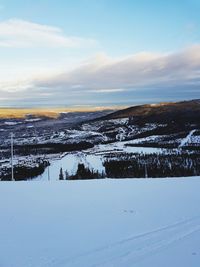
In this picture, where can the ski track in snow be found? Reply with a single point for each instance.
(187, 138)
(129, 251)
(121, 135)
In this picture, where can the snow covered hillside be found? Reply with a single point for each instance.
(120, 223)
(168, 134)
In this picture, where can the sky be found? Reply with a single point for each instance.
(98, 52)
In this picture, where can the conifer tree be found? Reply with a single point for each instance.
(61, 176)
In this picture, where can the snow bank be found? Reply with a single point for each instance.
(129, 222)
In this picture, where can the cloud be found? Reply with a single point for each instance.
(130, 73)
(21, 33)
(167, 76)
(113, 90)
(15, 86)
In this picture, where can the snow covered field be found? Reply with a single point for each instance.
(122, 223)
(92, 158)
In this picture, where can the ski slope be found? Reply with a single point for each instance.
(123, 222)
(187, 139)
(92, 158)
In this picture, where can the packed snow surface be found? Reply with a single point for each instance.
(122, 223)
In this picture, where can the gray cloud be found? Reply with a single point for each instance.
(131, 72)
(144, 75)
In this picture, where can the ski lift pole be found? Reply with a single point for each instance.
(146, 173)
(48, 173)
(12, 165)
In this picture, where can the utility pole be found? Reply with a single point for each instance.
(146, 173)
(12, 165)
(48, 173)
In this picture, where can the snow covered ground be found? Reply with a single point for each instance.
(122, 223)
(187, 139)
(92, 158)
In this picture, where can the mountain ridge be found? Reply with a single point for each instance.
(164, 112)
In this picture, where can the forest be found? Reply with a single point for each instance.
(142, 166)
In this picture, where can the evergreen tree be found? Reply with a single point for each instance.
(61, 176)
(66, 175)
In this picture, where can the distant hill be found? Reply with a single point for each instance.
(185, 111)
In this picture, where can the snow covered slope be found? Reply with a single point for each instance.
(122, 223)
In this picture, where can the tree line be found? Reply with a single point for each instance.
(24, 172)
(141, 166)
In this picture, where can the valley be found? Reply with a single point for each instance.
(135, 137)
